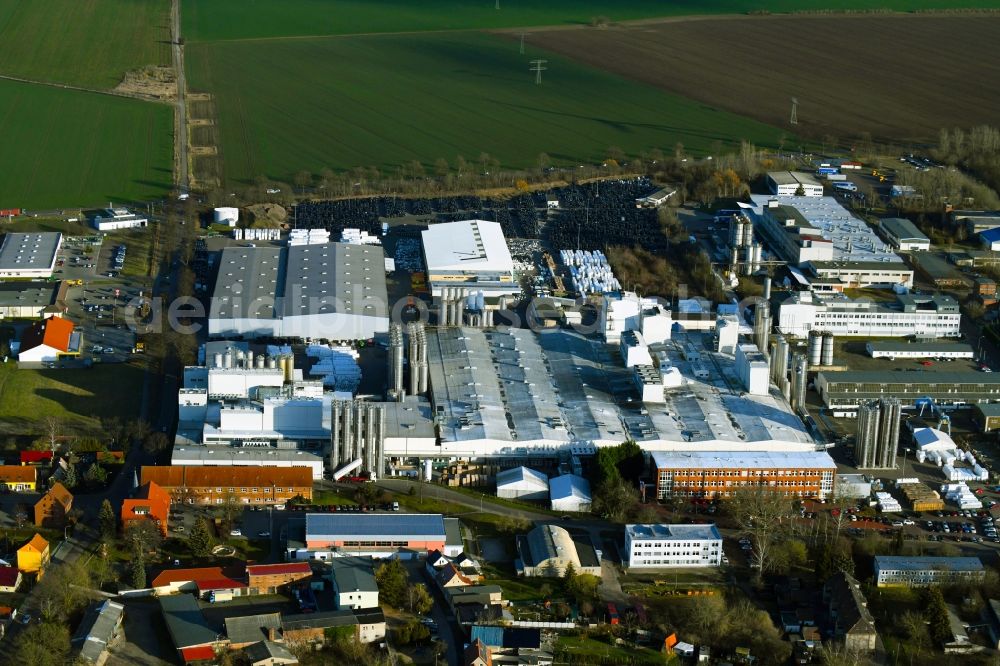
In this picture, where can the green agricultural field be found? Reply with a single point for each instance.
(67, 148)
(289, 105)
(79, 397)
(208, 20)
(88, 43)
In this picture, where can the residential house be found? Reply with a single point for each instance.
(193, 637)
(436, 560)
(148, 502)
(33, 556)
(367, 625)
(450, 576)
(272, 578)
(202, 580)
(10, 579)
(17, 478)
(510, 644)
(47, 340)
(54, 507)
(98, 631)
(477, 654)
(851, 623)
(249, 629)
(269, 653)
(354, 583)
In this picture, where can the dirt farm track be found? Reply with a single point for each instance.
(899, 77)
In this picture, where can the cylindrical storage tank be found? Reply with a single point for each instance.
(218, 360)
(261, 361)
(747, 232)
(767, 289)
(227, 360)
(815, 348)
(828, 348)
(272, 362)
(249, 359)
(428, 470)
(287, 367)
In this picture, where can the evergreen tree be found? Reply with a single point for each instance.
(109, 523)
(936, 614)
(200, 540)
(71, 478)
(137, 573)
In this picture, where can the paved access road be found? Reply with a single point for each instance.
(181, 134)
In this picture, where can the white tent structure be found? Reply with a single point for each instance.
(570, 492)
(522, 483)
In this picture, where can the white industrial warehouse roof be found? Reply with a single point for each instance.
(932, 439)
(268, 283)
(853, 239)
(569, 485)
(29, 251)
(522, 477)
(472, 245)
(742, 460)
(514, 389)
(665, 532)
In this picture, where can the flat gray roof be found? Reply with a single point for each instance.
(742, 460)
(353, 574)
(268, 282)
(410, 418)
(928, 562)
(28, 294)
(29, 251)
(185, 621)
(662, 531)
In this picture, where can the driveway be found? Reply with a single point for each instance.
(610, 588)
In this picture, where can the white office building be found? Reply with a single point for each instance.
(470, 255)
(935, 315)
(114, 219)
(652, 546)
(790, 183)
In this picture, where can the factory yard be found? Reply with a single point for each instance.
(875, 82)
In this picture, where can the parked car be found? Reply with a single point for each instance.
(235, 532)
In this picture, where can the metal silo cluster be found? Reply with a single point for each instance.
(877, 436)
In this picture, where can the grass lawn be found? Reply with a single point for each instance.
(80, 397)
(137, 258)
(390, 100)
(88, 43)
(27, 224)
(583, 646)
(236, 19)
(332, 498)
(69, 148)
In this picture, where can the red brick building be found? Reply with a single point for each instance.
(270, 578)
(149, 502)
(249, 485)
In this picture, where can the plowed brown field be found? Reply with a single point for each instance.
(898, 77)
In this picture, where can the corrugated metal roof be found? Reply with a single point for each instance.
(415, 526)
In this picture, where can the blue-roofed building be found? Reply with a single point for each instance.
(893, 571)
(506, 637)
(375, 534)
(661, 545)
(990, 239)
